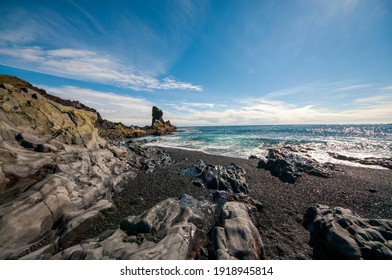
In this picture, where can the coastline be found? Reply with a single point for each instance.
(365, 191)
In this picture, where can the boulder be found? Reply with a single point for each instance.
(230, 178)
(288, 166)
(237, 237)
(342, 234)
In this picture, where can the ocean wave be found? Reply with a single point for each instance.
(315, 141)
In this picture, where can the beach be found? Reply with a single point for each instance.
(365, 191)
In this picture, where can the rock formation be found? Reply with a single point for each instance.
(288, 166)
(178, 229)
(56, 174)
(228, 178)
(157, 115)
(340, 233)
(384, 162)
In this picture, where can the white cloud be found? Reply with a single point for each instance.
(91, 66)
(264, 111)
(112, 106)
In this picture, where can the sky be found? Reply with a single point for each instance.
(205, 62)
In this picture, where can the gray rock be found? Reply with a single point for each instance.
(237, 237)
(178, 229)
(342, 234)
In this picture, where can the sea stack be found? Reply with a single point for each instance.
(158, 125)
(157, 114)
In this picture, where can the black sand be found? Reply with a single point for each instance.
(368, 192)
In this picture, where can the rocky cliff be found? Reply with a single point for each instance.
(105, 127)
(57, 174)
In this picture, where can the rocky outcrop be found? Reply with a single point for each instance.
(178, 229)
(342, 234)
(157, 115)
(230, 178)
(236, 237)
(159, 126)
(56, 174)
(384, 162)
(106, 128)
(289, 166)
(54, 124)
(118, 130)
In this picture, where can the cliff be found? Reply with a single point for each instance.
(105, 127)
(57, 175)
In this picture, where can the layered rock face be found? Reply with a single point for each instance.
(56, 173)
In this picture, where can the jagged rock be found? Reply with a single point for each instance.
(157, 115)
(342, 234)
(384, 162)
(55, 171)
(43, 117)
(177, 229)
(288, 166)
(172, 229)
(230, 178)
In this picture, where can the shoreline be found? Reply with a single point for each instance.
(365, 191)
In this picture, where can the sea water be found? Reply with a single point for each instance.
(317, 141)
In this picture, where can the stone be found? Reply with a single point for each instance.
(288, 166)
(177, 228)
(230, 178)
(342, 234)
(237, 237)
(384, 162)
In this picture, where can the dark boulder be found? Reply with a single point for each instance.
(288, 166)
(231, 178)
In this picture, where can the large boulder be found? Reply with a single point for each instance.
(342, 234)
(236, 237)
(289, 166)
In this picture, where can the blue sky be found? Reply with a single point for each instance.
(207, 62)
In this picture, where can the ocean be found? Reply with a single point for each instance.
(318, 141)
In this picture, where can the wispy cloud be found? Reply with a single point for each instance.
(91, 66)
(192, 106)
(112, 106)
(321, 88)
